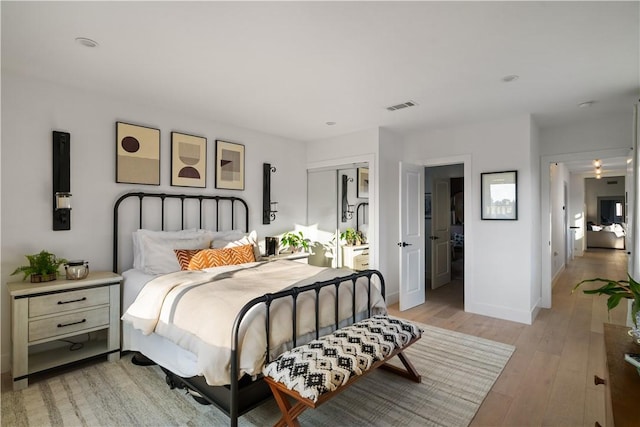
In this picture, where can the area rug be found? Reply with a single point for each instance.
(457, 371)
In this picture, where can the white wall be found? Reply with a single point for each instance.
(32, 109)
(593, 135)
(391, 147)
(536, 239)
(501, 268)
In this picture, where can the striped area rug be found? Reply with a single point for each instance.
(457, 371)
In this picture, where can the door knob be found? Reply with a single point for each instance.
(403, 244)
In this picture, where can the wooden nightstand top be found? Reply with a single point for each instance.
(23, 288)
(288, 255)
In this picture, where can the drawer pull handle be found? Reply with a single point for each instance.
(62, 325)
(597, 380)
(73, 300)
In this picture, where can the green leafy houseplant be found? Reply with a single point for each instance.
(294, 240)
(42, 267)
(617, 290)
(352, 237)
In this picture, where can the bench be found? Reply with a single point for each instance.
(315, 372)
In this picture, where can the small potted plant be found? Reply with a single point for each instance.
(294, 241)
(352, 237)
(43, 267)
(618, 290)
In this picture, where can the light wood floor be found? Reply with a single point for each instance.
(549, 379)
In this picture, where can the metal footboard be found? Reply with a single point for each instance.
(294, 293)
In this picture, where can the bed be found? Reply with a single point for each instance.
(212, 330)
(606, 236)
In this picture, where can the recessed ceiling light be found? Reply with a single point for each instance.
(586, 104)
(86, 42)
(330, 123)
(510, 78)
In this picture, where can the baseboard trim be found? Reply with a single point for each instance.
(557, 275)
(5, 363)
(393, 298)
(501, 312)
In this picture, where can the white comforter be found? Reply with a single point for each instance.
(196, 310)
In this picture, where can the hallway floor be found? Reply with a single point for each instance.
(549, 379)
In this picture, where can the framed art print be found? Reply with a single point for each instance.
(188, 160)
(229, 165)
(499, 195)
(427, 205)
(363, 183)
(137, 154)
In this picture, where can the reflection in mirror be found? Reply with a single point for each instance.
(611, 210)
(337, 200)
(322, 210)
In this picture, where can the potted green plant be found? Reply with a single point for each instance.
(352, 237)
(294, 241)
(618, 290)
(43, 267)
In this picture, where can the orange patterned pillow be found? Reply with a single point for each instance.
(184, 257)
(207, 258)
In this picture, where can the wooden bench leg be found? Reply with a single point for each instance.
(409, 372)
(289, 413)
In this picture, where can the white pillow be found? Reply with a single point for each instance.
(238, 240)
(137, 235)
(158, 256)
(223, 237)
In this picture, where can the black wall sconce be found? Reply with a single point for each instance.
(61, 181)
(347, 209)
(269, 208)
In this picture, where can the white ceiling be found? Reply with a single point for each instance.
(287, 68)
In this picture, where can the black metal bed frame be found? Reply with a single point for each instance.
(182, 197)
(244, 394)
(362, 205)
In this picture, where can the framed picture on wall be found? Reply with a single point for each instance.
(229, 165)
(499, 195)
(137, 154)
(188, 160)
(362, 189)
(427, 205)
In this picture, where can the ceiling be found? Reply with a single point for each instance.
(288, 68)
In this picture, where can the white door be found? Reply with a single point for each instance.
(411, 244)
(440, 234)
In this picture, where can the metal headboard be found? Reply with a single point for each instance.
(164, 197)
(362, 205)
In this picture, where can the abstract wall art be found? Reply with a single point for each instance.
(188, 160)
(137, 154)
(229, 165)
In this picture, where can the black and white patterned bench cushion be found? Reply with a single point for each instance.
(327, 363)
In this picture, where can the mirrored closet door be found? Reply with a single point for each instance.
(338, 207)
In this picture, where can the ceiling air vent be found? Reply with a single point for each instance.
(401, 106)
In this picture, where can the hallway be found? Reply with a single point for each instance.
(549, 379)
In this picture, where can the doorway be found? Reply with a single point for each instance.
(445, 233)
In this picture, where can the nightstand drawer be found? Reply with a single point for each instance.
(73, 322)
(65, 301)
(361, 262)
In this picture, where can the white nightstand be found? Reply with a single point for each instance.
(355, 257)
(48, 318)
(302, 257)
